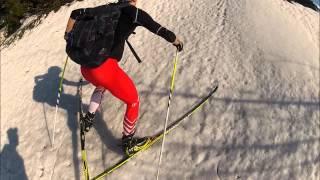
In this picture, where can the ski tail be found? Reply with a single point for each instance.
(82, 134)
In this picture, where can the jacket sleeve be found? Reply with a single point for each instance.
(144, 19)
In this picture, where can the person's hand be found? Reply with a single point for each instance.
(178, 44)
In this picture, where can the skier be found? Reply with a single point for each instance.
(109, 76)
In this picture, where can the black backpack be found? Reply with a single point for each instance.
(90, 41)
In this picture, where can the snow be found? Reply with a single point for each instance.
(263, 122)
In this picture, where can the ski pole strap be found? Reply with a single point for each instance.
(134, 52)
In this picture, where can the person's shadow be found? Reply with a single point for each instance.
(12, 165)
(45, 92)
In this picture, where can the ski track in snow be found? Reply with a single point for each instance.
(263, 122)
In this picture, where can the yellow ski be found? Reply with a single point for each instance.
(158, 136)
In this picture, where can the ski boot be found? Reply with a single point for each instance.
(87, 121)
(132, 145)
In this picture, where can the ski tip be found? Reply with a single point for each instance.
(215, 86)
(215, 83)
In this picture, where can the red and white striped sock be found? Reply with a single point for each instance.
(129, 127)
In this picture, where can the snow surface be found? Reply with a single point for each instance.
(263, 123)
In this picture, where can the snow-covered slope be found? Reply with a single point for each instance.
(263, 123)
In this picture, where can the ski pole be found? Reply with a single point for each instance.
(58, 100)
(168, 110)
(82, 134)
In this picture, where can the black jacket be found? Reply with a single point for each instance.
(130, 18)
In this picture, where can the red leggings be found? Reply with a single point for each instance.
(111, 77)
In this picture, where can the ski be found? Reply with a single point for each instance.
(159, 135)
(82, 134)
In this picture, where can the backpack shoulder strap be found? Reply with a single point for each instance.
(133, 52)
